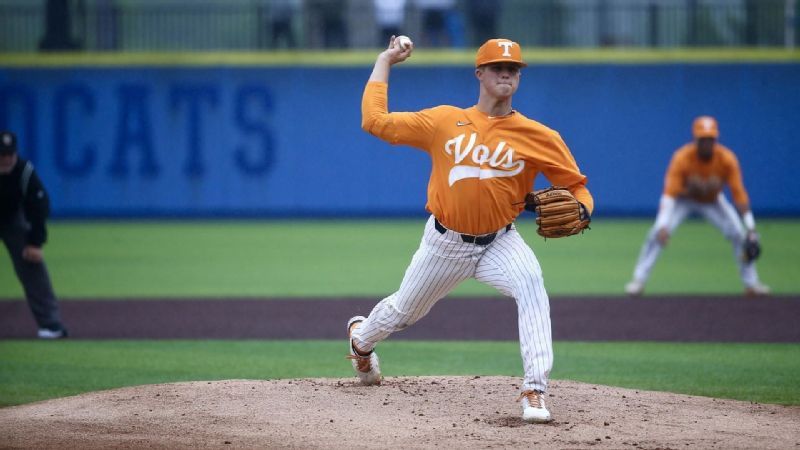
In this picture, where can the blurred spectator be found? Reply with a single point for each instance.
(281, 15)
(58, 27)
(436, 21)
(328, 16)
(390, 16)
(483, 16)
(24, 207)
(107, 24)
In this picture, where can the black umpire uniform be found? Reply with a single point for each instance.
(24, 207)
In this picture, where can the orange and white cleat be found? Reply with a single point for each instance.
(757, 290)
(533, 407)
(634, 288)
(367, 367)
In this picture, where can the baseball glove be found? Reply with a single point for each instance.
(752, 247)
(559, 214)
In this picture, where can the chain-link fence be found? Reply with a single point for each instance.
(247, 25)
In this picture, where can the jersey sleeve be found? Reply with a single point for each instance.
(407, 128)
(583, 195)
(36, 205)
(734, 180)
(673, 180)
(562, 170)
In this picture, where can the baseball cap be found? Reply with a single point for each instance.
(705, 126)
(497, 51)
(8, 143)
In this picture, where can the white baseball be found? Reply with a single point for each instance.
(403, 42)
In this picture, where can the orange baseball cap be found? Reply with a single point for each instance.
(705, 126)
(499, 50)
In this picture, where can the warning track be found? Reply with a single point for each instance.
(651, 318)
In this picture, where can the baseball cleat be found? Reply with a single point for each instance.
(634, 288)
(757, 290)
(46, 333)
(367, 367)
(533, 408)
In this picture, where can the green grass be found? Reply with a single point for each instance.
(34, 370)
(368, 258)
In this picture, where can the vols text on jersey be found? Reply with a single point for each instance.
(500, 160)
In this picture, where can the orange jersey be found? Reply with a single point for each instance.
(687, 168)
(482, 166)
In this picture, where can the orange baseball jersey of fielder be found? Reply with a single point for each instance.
(482, 166)
(723, 167)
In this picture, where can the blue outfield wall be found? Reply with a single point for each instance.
(282, 141)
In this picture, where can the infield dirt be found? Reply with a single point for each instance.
(404, 412)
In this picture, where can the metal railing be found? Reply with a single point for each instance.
(246, 25)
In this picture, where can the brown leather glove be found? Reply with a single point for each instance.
(559, 213)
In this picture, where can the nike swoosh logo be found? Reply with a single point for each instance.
(461, 124)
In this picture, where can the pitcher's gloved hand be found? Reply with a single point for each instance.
(559, 213)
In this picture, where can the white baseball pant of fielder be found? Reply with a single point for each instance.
(442, 261)
(720, 213)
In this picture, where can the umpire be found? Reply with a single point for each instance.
(24, 207)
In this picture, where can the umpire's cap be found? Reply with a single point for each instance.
(705, 127)
(498, 51)
(8, 143)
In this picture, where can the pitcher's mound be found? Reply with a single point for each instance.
(405, 412)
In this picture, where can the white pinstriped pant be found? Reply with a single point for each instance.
(720, 213)
(442, 262)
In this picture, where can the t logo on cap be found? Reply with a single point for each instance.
(499, 51)
(506, 45)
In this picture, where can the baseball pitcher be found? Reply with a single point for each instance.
(484, 162)
(693, 184)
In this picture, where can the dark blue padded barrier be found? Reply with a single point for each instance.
(278, 141)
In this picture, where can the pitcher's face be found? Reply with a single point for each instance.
(500, 80)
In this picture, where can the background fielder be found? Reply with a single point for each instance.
(693, 184)
(484, 162)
